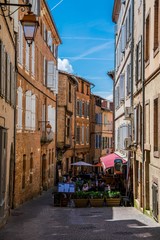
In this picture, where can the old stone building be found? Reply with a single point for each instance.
(8, 32)
(82, 123)
(143, 112)
(73, 141)
(66, 110)
(123, 83)
(37, 86)
(101, 125)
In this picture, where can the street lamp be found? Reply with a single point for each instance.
(29, 21)
(48, 128)
(30, 25)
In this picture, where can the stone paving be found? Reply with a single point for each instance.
(40, 220)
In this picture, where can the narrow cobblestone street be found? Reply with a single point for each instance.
(38, 219)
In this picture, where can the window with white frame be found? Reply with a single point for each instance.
(27, 57)
(33, 59)
(52, 76)
(52, 117)
(19, 107)
(30, 111)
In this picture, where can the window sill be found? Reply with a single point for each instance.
(156, 154)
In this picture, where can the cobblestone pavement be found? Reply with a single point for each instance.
(40, 220)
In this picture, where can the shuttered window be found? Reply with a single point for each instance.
(87, 134)
(33, 113)
(123, 38)
(78, 135)
(19, 107)
(20, 45)
(78, 108)
(27, 57)
(156, 24)
(52, 117)
(121, 87)
(28, 113)
(8, 79)
(82, 134)
(128, 80)
(33, 59)
(155, 132)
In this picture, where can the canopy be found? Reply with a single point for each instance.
(108, 161)
(81, 163)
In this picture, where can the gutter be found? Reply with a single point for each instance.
(143, 102)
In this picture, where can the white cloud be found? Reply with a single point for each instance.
(92, 50)
(64, 65)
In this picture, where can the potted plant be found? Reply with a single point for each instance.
(80, 199)
(96, 199)
(113, 198)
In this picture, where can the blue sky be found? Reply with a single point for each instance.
(87, 34)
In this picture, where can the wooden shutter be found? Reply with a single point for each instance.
(51, 75)
(27, 57)
(28, 110)
(33, 59)
(8, 79)
(33, 113)
(20, 44)
(19, 108)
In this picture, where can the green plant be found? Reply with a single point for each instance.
(96, 195)
(113, 194)
(81, 195)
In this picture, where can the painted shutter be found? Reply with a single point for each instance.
(28, 110)
(13, 86)
(135, 125)
(33, 113)
(8, 82)
(43, 116)
(2, 72)
(121, 86)
(35, 6)
(27, 57)
(33, 59)
(50, 75)
(123, 42)
(19, 108)
(20, 44)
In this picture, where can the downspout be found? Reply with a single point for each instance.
(143, 102)
(132, 53)
(15, 117)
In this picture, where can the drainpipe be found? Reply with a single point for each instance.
(132, 53)
(143, 103)
(14, 143)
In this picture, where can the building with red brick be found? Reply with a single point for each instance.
(101, 128)
(7, 108)
(73, 141)
(37, 87)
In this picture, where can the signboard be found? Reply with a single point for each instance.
(118, 166)
(66, 187)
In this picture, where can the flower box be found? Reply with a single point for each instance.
(96, 202)
(81, 202)
(113, 202)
